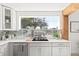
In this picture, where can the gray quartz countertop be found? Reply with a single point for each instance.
(30, 40)
(3, 42)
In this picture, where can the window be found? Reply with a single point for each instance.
(42, 21)
(50, 24)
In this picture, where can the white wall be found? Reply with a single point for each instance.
(35, 13)
(37, 6)
(74, 37)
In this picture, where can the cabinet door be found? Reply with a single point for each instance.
(2, 50)
(20, 50)
(65, 51)
(24, 50)
(6, 53)
(35, 51)
(10, 46)
(0, 17)
(17, 50)
(6, 18)
(45, 51)
(40, 51)
(60, 51)
(13, 17)
(56, 51)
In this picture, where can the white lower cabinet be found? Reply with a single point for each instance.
(4, 50)
(49, 49)
(45, 51)
(40, 51)
(10, 44)
(55, 51)
(18, 49)
(34, 51)
(1, 50)
(60, 51)
(65, 51)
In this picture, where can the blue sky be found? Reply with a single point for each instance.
(52, 21)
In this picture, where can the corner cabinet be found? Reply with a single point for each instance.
(7, 18)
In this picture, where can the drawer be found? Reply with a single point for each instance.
(39, 44)
(60, 44)
(19, 43)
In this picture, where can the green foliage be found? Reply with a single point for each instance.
(56, 34)
(32, 22)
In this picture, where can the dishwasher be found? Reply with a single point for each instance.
(20, 49)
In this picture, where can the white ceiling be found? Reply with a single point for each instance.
(37, 6)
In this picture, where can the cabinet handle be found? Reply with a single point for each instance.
(22, 48)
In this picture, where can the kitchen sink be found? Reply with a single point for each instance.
(40, 39)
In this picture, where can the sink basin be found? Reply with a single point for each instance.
(39, 40)
(34, 39)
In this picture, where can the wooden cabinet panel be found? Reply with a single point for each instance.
(65, 27)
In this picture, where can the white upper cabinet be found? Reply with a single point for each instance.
(0, 17)
(7, 18)
(13, 23)
(6, 15)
